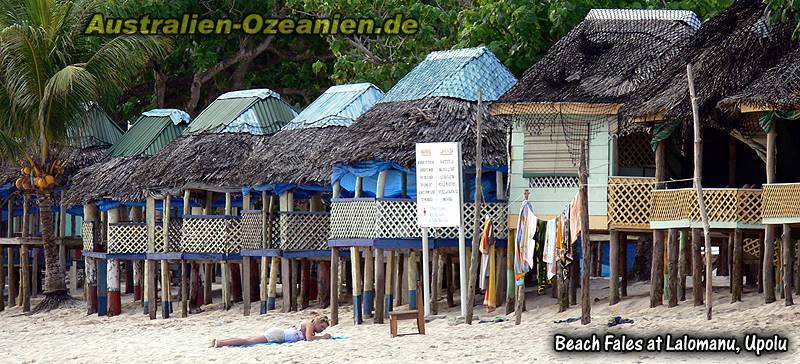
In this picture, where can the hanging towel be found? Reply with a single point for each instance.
(490, 299)
(549, 254)
(530, 239)
(575, 218)
(486, 241)
(521, 240)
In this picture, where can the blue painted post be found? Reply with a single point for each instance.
(355, 259)
(412, 280)
(102, 287)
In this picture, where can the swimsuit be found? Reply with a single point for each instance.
(290, 335)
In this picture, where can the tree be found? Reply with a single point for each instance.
(49, 72)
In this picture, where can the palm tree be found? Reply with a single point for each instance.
(49, 71)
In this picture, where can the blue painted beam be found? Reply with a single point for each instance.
(260, 253)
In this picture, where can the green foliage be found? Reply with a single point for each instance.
(784, 10)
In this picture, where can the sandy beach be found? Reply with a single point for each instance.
(68, 335)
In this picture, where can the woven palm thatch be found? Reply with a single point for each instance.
(112, 178)
(776, 89)
(299, 156)
(727, 53)
(204, 161)
(606, 57)
(389, 131)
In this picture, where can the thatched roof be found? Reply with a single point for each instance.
(113, 178)
(205, 161)
(727, 53)
(776, 89)
(390, 130)
(609, 55)
(298, 156)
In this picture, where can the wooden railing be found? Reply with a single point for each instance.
(726, 207)
(211, 234)
(253, 234)
(781, 203)
(629, 201)
(304, 230)
(127, 237)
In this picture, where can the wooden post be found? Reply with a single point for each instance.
(413, 276)
(166, 300)
(12, 273)
(112, 276)
(368, 294)
(398, 284)
(355, 258)
(89, 215)
(434, 298)
(673, 266)
(477, 221)
(246, 261)
(787, 250)
(657, 263)
(697, 268)
(334, 296)
(683, 264)
(501, 276)
(451, 280)
(614, 266)
(24, 268)
(768, 270)
(389, 284)
(586, 305)
(150, 303)
(272, 293)
(305, 282)
(623, 264)
(295, 272)
(698, 173)
(510, 285)
(737, 266)
(380, 288)
(286, 284)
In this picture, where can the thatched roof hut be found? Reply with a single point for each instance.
(113, 178)
(776, 89)
(216, 142)
(435, 102)
(609, 55)
(301, 153)
(727, 53)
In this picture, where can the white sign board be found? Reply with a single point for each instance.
(439, 184)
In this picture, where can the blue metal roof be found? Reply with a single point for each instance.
(337, 106)
(457, 73)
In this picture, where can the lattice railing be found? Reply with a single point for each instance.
(89, 235)
(353, 218)
(629, 200)
(253, 230)
(127, 237)
(782, 201)
(397, 219)
(304, 230)
(723, 205)
(175, 233)
(211, 234)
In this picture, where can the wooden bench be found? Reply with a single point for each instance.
(418, 314)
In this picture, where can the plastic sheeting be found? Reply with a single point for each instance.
(346, 175)
(662, 131)
(767, 119)
(177, 116)
(261, 93)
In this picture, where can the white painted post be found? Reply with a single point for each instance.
(426, 278)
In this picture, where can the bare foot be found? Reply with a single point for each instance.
(213, 343)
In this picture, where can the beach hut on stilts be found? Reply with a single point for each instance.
(576, 162)
(373, 210)
(773, 99)
(112, 205)
(726, 54)
(290, 172)
(20, 247)
(197, 167)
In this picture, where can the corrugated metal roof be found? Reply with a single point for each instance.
(457, 73)
(147, 136)
(252, 114)
(95, 130)
(337, 106)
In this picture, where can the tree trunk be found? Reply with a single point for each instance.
(55, 289)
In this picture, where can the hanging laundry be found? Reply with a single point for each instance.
(576, 216)
(490, 299)
(526, 227)
(549, 253)
(486, 240)
(541, 268)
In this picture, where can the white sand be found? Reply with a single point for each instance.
(68, 335)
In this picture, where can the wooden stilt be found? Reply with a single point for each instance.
(334, 296)
(184, 290)
(323, 284)
(264, 285)
(165, 287)
(583, 190)
(673, 266)
(246, 261)
(697, 267)
(295, 287)
(286, 284)
(511, 291)
(501, 276)
(614, 266)
(226, 285)
(25, 291)
(413, 276)
(768, 273)
(435, 280)
(368, 295)
(208, 276)
(398, 284)
(273, 284)
(657, 263)
(683, 264)
(737, 266)
(787, 251)
(391, 271)
(34, 271)
(355, 258)
(451, 280)
(305, 286)
(380, 286)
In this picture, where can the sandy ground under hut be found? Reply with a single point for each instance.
(68, 335)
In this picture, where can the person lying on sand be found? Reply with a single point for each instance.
(307, 330)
